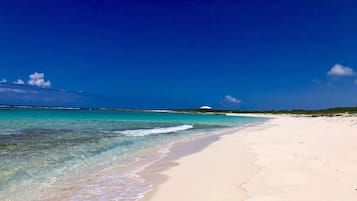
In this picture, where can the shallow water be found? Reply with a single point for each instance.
(48, 154)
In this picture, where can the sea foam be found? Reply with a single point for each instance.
(154, 131)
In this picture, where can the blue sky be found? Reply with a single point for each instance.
(180, 54)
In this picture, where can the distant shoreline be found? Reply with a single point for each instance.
(337, 111)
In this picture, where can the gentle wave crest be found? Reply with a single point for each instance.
(153, 131)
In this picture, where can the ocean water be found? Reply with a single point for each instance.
(61, 154)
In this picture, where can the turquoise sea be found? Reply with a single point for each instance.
(70, 154)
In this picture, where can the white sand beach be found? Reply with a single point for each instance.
(284, 159)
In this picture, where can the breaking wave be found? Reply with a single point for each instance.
(154, 131)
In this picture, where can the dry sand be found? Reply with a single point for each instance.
(284, 159)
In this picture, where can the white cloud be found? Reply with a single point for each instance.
(340, 70)
(19, 81)
(38, 79)
(355, 81)
(3, 80)
(231, 99)
(12, 90)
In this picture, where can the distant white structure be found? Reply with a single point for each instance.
(205, 107)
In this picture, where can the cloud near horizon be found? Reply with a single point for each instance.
(230, 99)
(35, 79)
(19, 81)
(340, 70)
(38, 91)
(23, 94)
(6, 89)
(38, 79)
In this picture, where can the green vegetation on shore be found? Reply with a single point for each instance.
(329, 111)
(325, 112)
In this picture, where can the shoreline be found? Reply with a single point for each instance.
(184, 148)
(177, 151)
(262, 162)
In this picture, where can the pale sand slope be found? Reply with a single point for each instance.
(285, 159)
